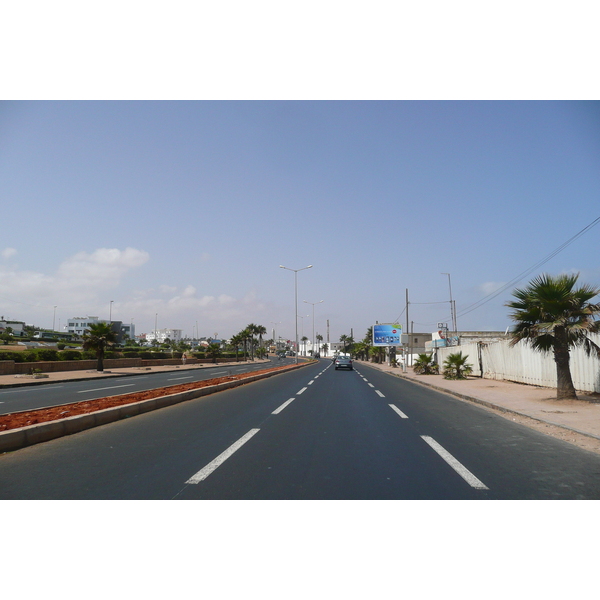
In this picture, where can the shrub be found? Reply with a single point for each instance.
(425, 365)
(71, 355)
(43, 355)
(456, 367)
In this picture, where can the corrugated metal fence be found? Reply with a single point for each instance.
(498, 360)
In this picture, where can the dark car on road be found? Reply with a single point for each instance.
(343, 362)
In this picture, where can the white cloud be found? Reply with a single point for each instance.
(105, 266)
(85, 283)
(78, 282)
(8, 252)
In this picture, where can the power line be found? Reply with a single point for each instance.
(518, 278)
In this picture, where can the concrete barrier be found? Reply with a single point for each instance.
(14, 439)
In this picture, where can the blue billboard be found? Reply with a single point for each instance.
(387, 334)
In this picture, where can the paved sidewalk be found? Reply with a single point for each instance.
(581, 416)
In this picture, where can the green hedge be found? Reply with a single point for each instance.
(71, 355)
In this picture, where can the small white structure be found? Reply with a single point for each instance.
(161, 335)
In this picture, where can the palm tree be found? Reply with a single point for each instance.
(304, 339)
(98, 338)
(368, 342)
(235, 341)
(325, 349)
(244, 337)
(425, 365)
(344, 339)
(553, 316)
(319, 340)
(260, 330)
(378, 353)
(252, 331)
(214, 351)
(456, 367)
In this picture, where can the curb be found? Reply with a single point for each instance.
(490, 404)
(15, 439)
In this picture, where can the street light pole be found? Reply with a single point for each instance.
(313, 335)
(296, 299)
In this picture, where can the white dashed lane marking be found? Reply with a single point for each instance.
(217, 462)
(457, 466)
(395, 408)
(278, 410)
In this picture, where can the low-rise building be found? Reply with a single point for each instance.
(80, 325)
(161, 335)
(17, 328)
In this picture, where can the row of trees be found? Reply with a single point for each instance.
(100, 337)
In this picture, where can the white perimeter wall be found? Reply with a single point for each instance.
(522, 364)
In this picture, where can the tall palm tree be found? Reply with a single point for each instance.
(304, 339)
(344, 339)
(235, 341)
(245, 336)
(552, 315)
(260, 330)
(252, 330)
(319, 340)
(99, 337)
(368, 341)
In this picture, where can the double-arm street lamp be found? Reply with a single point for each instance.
(313, 336)
(296, 300)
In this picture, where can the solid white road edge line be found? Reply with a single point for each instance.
(278, 410)
(217, 462)
(178, 378)
(458, 467)
(398, 411)
(378, 392)
(301, 391)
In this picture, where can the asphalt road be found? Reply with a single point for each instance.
(55, 394)
(313, 433)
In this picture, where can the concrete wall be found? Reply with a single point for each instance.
(10, 367)
(520, 363)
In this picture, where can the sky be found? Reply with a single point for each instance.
(180, 213)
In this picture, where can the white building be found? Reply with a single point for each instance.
(79, 325)
(161, 335)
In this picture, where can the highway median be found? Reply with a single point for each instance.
(26, 428)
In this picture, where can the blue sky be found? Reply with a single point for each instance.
(186, 209)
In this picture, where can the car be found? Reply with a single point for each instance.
(343, 362)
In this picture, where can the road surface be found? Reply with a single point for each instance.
(313, 433)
